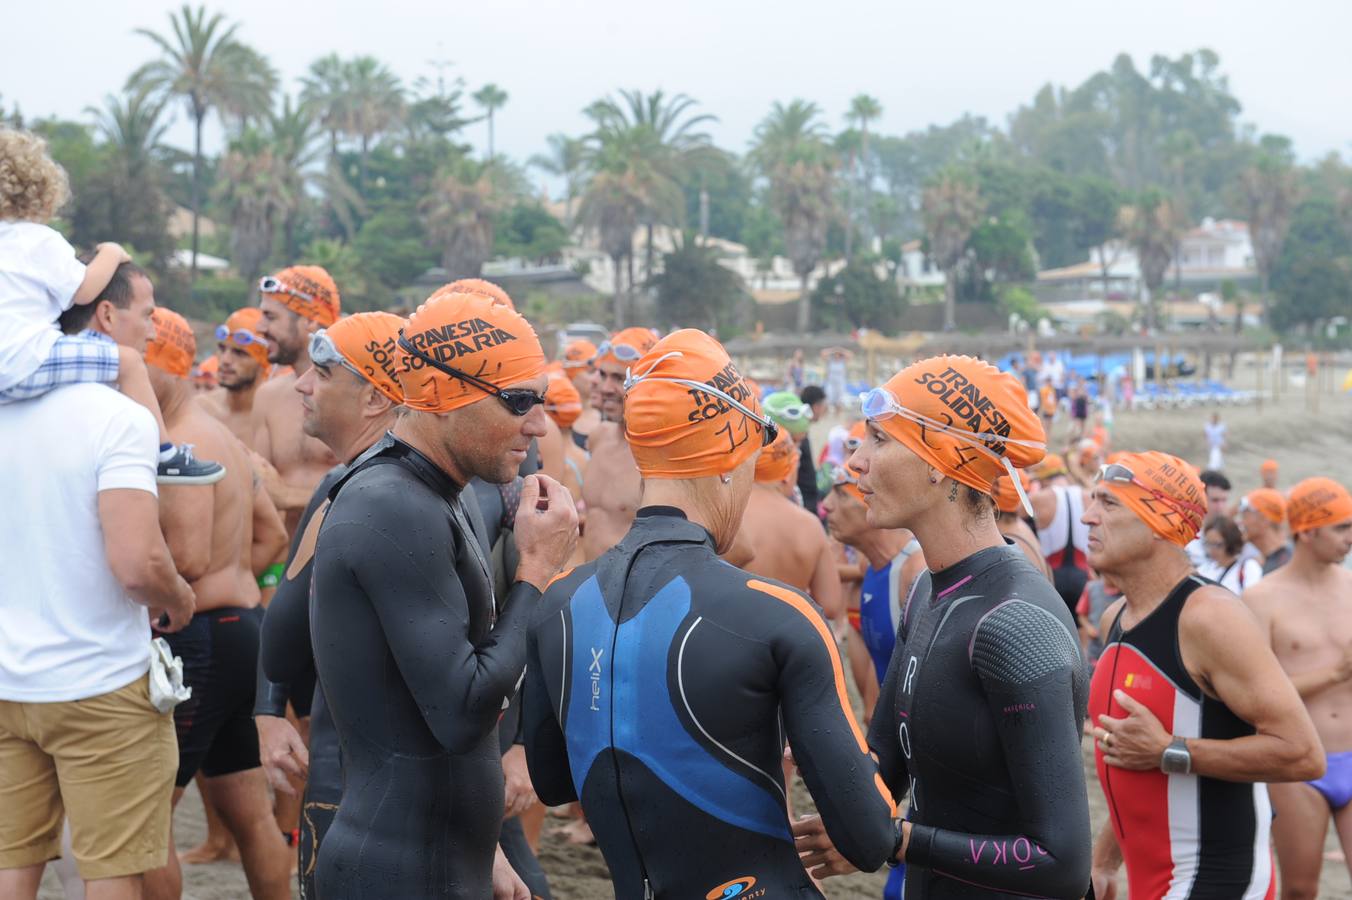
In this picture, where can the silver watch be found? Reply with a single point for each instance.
(1176, 760)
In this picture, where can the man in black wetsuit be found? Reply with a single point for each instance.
(979, 718)
(415, 663)
(662, 681)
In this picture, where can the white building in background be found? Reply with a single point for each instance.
(917, 269)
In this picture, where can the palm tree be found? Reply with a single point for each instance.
(1270, 189)
(611, 206)
(491, 98)
(205, 65)
(291, 134)
(374, 103)
(952, 208)
(790, 150)
(567, 160)
(460, 213)
(1150, 227)
(255, 189)
(324, 93)
(131, 125)
(863, 110)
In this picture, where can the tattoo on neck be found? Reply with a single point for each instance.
(953, 492)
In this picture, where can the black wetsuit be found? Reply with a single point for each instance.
(416, 669)
(660, 686)
(979, 719)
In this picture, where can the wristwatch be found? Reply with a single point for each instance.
(1176, 760)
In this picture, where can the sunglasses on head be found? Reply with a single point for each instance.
(1116, 473)
(241, 337)
(519, 401)
(270, 285)
(325, 354)
(622, 352)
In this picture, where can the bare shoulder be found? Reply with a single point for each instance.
(1213, 615)
(603, 435)
(271, 392)
(1269, 590)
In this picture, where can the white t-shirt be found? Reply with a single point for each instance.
(39, 276)
(1215, 435)
(1240, 574)
(68, 630)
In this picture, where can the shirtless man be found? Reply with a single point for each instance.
(242, 370)
(611, 486)
(295, 303)
(1306, 609)
(212, 537)
(563, 404)
(788, 541)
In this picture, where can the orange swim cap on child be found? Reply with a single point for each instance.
(678, 417)
(1163, 490)
(779, 461)
(369, 341)
(625, 347)
(246, 320)
(578, 354)
(1006, 497)
(1316, 502)
(174, 346)
(478, 286)
(562, 401)
(469, 333)
(307, 291)
(1268, 503)
(961, 415)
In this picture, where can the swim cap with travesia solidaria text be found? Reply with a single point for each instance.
(1316, 502)
(369, 341)
(308, 291)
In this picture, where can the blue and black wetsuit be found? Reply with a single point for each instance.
(980, 719)
(880, 603)
(416, 667)
(661, 685)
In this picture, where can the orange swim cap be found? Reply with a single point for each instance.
(246, 321)
(1316, 502)
(686, 409)
(307, 291)
(961, 415)
(578, 354)
(625, 347)
(473, 335)
(478, 286)
(844, 478)
(369, 341)
(1269, 467)
(1006, 498)
(1163, 490)
(858, 431)
(174, 346)
(562, 401)
(1052, 464)
(1268, 503)
(779, 461)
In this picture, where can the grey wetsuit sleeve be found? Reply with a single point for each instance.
(401, 565)
(1030, 670)
(546, 748)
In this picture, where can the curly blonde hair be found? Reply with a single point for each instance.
(32, 186)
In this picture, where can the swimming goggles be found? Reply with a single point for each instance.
(519, 401)
(241, 337)
(880, 403)
(622, 352)
(271, 285)
(325, 354)
(794, 413)
(1116, 473)
(769, 430)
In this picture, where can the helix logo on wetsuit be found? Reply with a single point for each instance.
(968, 405)
(595, 671)
(447, 342)
(738, 887)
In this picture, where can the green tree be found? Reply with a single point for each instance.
(291, 136)
(460, 214)
(1150, 227)
(791, 151)
(695, 290)
(205, 64)
(491, 98)
(1096, 205)
(324, 94)
(952, 208)
(857, 297)
(1312, 278)
(374, 103)
(527, 231)
(1270, 190)
(566, 159)
(254, 190)
(863, 111)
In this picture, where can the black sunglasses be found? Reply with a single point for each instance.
(518, 401)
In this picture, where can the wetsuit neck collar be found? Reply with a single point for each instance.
(393, 449)
(665, 523)
(972, 566)
(674, 511)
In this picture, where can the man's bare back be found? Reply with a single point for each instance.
(791, 546)
(1310, 627)
(239, 421)
(611, 489)
(300, 460)
(210, 529)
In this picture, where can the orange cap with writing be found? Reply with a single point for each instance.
(307, 291)
(174, 346)
(1268, 503)
(370, 341)
(675, 426)
(1164, 491)
(470, 333)
(562, 401)
(478, 286)
(1316, 502)
(779, 461)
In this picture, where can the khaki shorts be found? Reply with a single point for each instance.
(106, 762)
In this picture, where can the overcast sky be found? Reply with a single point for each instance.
(927, 62)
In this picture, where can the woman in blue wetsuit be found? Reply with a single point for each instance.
(662, 682)
(979, 718)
